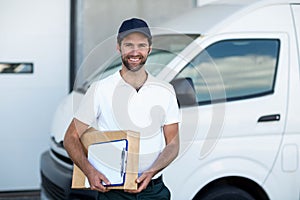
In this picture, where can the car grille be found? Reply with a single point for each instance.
(56, 192)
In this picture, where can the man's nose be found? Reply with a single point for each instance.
(134, 50)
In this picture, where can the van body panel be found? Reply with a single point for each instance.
(236, 128)
(216, 165)
(293, 121)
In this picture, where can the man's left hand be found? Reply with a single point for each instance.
(142, 181)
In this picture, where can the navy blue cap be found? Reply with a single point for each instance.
(133, 25)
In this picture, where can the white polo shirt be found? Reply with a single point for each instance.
(112, 104)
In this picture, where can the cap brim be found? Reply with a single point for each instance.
(138, 30)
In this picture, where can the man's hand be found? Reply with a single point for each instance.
(142, 181)
(95, 179)
(168, 154)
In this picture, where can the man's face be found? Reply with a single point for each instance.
(134, 49)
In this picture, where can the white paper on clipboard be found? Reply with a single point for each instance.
(109, 158)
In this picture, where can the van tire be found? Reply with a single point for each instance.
(225, 192)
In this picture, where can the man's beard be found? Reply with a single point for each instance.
(133, 68)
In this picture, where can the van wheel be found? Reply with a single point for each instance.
(225, 192)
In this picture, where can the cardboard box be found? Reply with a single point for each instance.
(92, 136)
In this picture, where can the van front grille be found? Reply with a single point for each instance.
(53, 190)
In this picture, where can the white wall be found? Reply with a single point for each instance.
(34, 31)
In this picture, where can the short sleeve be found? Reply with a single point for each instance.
(172, 113)
(86, 111)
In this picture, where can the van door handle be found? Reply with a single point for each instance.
(269, 118)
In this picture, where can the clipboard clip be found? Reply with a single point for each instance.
(123, 162)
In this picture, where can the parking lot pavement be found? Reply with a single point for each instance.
(20, 195)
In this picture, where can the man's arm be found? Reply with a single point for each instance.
(168, 154)
(75, 150)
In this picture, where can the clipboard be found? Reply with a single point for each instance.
(92, 136)
(112, 164)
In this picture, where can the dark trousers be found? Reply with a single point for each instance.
(155, 190)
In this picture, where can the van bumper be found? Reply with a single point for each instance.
(57, 179)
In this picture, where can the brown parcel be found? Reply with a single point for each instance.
(93, 136)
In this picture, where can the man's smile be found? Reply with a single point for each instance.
(134, 58)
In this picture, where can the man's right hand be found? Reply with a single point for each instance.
(95, 179)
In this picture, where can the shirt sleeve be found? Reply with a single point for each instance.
(86, 111)
(173, 114)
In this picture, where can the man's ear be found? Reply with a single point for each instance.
(150, 50)
(118, 48)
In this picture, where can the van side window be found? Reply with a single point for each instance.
(234, 69)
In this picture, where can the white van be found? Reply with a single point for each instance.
(235, 69)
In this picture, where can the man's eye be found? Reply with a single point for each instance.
(131, 46)
(143, 46)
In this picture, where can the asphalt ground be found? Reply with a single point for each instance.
(20, 195)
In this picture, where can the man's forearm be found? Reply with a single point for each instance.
(74, 147)
(169, 153)
(76, 152)
(171, 149)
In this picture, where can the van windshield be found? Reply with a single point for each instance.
(164, 49)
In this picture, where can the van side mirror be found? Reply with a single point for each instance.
(185, 91)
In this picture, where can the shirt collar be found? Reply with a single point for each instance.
(121, 81)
